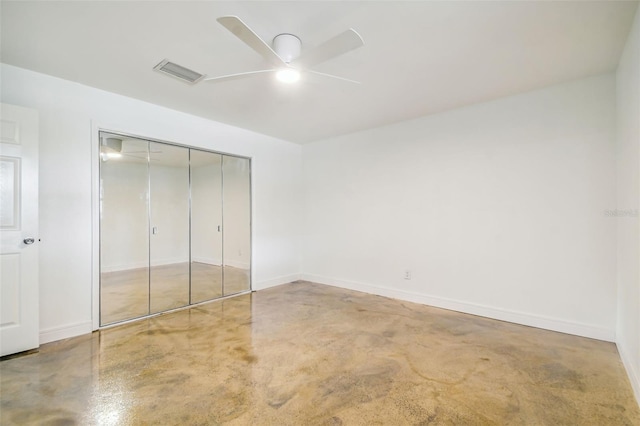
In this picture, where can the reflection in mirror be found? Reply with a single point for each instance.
(206, 222)
(175, 227)
(124, 239)
(169, 227)
(237, 224)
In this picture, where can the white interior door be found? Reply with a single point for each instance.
(19, 323)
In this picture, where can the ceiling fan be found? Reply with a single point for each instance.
(285, 56)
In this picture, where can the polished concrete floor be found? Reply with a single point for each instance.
(134, 293)
(308, 354)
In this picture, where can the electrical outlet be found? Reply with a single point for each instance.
(407, 274)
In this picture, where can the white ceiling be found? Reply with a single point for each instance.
(419, 57)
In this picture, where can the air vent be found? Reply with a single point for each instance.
(178, 71)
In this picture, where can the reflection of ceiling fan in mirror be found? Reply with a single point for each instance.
(112, 148)
(288, 61)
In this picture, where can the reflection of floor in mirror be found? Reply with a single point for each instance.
(125, 294)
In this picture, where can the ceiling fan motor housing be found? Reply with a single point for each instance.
(287, 46)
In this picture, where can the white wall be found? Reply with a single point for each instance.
(69, 116)
(125, 215)
(124, 241)
(169, 213)
(206, 212)
(236, 205)
(628, 169)
(497, 209)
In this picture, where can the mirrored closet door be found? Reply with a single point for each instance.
(169, 223)
(236, 202)
(124, 237)
(175, 227)
(206, 226)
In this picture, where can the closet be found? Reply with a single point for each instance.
(175, 227)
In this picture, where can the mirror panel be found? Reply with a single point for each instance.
(206, 223)
(124, 239)
(168, 227)
(175, 227)
(236, 202)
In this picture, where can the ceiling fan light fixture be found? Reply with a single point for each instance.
(287, 47)
(288, 75)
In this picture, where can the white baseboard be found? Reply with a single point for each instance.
(547, 323)
(632, 372)
(65, 332)
(240, 264)
(285, 279)
(207, 260)
(124, 267)
(138, 265)
(162, 262)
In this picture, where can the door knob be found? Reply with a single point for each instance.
(28, 241)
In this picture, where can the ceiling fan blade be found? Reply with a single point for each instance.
(333, 76)
(251, 39)
(338, 45)
(137, 156)
(236, 76)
